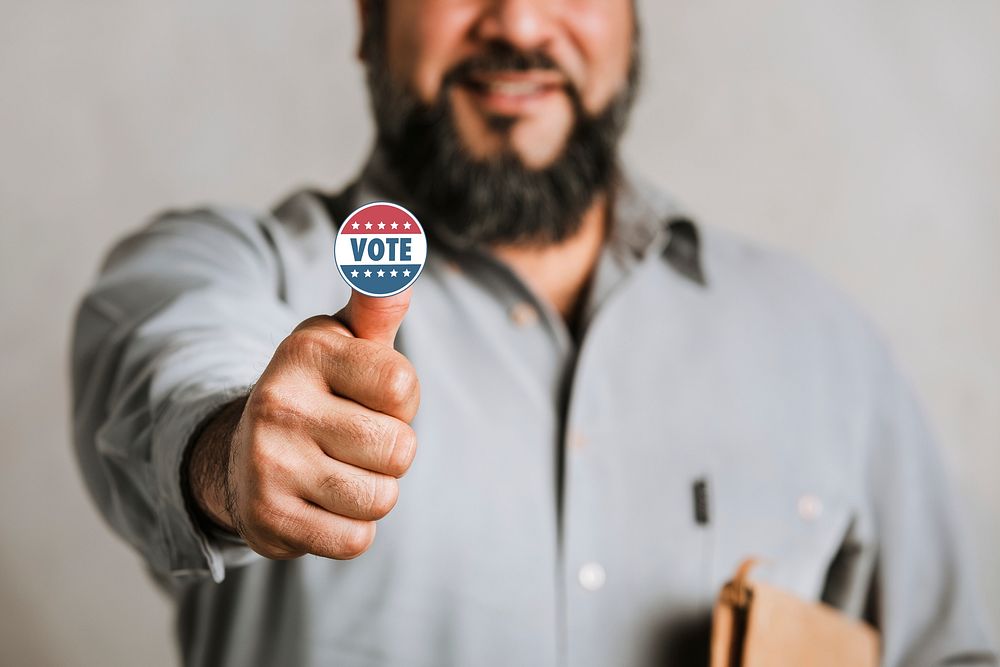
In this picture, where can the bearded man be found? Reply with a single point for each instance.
(616, 404)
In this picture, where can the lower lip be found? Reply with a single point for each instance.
(508, 104)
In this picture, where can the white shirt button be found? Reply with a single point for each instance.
(592, 576)
(810, 507)
(523, 314)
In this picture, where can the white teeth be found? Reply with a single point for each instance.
(513, 87)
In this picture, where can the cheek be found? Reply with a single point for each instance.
(603, 34)
(425, 39)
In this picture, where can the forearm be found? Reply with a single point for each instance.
(207, 467)
(180, 323)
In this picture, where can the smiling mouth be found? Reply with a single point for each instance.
(512, 92)
(511, 88)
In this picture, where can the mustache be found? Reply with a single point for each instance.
(502, 57)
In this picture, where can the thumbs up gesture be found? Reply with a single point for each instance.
(311, 460)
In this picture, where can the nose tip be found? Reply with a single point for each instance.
(524, 24)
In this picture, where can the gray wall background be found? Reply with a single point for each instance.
(862, 136)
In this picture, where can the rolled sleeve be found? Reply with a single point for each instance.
(191, 548)
(182, 320)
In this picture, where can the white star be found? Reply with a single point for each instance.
(368, 225)
(354, 274)
(395, 225)
(381, 225)
(368, 274)
(406, 273)
(406, 225)
(393, 273)
(354, 226)
(381, 273)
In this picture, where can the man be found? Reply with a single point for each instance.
(616, 405)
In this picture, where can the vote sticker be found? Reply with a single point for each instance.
(380, 249)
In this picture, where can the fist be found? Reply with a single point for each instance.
(315, 457)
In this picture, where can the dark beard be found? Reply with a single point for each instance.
(498, 200)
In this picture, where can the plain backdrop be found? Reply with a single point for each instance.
(862, 136)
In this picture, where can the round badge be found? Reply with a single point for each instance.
(380, 249)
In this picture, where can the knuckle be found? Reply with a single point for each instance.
(270, 520)
(398, 382)
(271, 403)
(311, 343)
(274, 529)
(361, 427)
(333, 484)
(400, 454)
(269, 461)
(365, 493)
(355, 539)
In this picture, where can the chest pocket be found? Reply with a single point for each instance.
(796, 534)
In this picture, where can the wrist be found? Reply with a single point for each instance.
(206, 468)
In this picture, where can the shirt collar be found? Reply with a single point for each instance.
(648, 221)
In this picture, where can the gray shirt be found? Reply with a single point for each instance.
(577, 497)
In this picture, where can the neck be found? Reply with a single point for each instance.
(559, 273)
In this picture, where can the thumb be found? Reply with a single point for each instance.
(375, 318)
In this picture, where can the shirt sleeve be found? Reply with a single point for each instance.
(183, 318)
(924, 597)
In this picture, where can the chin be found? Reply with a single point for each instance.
(538, 157)
(533, 150)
